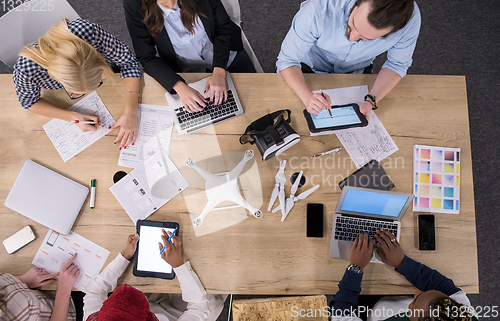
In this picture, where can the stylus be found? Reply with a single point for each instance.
(169, 239)
(329, 112)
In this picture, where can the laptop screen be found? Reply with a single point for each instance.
(369, 202)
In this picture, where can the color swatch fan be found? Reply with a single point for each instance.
(436, 179)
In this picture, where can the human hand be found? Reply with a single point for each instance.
(217, 86)
(366, 108)
(131, 246)
(128, 129)
(36, 277)
(83, 117)
(362, 250)
(67, 275)
(173, 250)
(389, 249)
(318, 103)
(191, 99)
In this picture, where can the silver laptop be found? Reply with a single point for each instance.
(46, 197)
(189, 122)
(364, 210)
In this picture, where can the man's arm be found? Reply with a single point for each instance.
(425, 278)
(306, 29)
(346, 299)
(386, 80)
(421, 276)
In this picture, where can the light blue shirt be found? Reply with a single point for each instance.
(317, 38)
(195, 51)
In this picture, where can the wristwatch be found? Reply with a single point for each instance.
(371, 100)
(354, 268)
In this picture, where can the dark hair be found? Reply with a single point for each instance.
(153, 16)
(389, 13)
(446, 309)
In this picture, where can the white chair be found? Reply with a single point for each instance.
(28, 22)
(233, 10)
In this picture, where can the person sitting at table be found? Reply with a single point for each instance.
(345, 36)
(76, 56)
(128, 303)
(189, 36)
(437, 297)
(20, 301)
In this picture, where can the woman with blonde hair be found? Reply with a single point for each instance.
(78, 56)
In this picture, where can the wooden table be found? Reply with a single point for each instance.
(260, 256)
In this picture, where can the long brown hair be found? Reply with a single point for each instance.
(153, 16)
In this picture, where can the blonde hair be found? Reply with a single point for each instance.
(69, 60)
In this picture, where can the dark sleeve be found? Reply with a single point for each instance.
(425, 278)
(348, 293)
(222, 34)
(145, 47)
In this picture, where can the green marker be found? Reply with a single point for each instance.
(92, 193)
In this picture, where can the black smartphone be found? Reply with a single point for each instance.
(426, 232)
(314, 220)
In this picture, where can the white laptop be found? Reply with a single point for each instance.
(46, 197)
(364, 210)
(189, 122)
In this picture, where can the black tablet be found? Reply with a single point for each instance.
(339, 117)
(147, 259)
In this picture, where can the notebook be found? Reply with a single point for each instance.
(362, 210)
(46, 197)
(189, 122)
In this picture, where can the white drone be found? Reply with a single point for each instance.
(223, 187)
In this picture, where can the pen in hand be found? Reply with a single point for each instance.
(91, 122)
(169, 239)
(329, 112)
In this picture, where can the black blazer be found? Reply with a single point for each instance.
(224, 34)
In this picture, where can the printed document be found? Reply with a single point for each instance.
(57, 249)
(68, 139)
(149, 186)
(155, 131)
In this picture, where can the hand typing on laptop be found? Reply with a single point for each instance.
(389, 250)
(191, 99)
(362, 251)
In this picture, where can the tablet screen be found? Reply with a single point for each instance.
(341, 116)
(149, 259)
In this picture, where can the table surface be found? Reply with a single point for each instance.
(257, 256)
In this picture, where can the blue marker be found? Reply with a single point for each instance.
(169, 239)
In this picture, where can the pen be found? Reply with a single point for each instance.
(329, 112)
(327, 152)
(92, 193)
(169, 239)
(76, 121)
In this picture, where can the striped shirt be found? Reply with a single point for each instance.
(19, 303)
(30, 77)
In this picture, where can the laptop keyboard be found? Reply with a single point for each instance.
(348, 228)
(209, 115)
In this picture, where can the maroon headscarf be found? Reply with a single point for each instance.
(126, 303)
